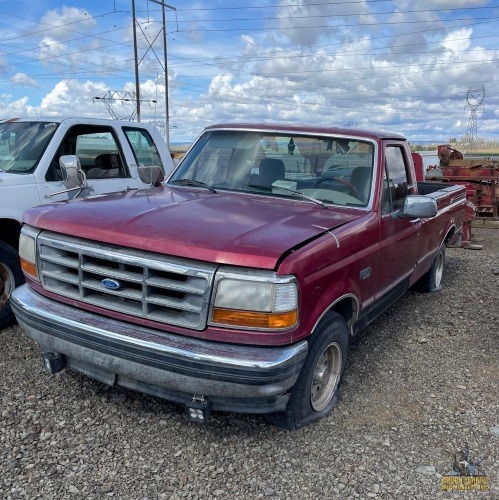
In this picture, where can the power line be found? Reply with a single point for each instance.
(280, 28)
(339, 15)
(320, 4)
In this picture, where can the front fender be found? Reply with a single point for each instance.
(343, 266)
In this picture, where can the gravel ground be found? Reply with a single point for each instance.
(421, 384)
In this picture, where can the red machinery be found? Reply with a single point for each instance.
(480, 175)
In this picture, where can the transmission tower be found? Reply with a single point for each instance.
(474, 102)
(128, 102)
(352, 124)
(161, 126)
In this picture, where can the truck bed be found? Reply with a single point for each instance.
(431, 187)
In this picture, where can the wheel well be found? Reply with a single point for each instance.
(347, 307)
(9, 231)
(450, 234)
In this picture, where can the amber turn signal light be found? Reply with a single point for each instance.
(255, 319)
(29, 268)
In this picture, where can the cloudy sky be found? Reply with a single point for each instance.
(413, 67)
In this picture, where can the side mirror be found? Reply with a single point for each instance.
(419, 207)
(72, 174)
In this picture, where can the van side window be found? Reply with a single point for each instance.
(396, 182)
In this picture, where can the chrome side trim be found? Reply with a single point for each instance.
(393, 284)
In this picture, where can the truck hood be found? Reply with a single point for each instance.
(225, 228)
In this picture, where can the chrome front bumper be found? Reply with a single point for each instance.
(232, 377)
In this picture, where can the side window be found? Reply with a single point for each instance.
(143, 147)
(395, 183)
(97, 150)
(99, 155)
(149, 165)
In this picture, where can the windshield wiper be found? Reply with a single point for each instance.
(193, 182)
(292, 191)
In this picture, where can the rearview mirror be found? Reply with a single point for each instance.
(419, 207)
(72, 174)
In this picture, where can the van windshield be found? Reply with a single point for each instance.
(332, 170)
(22, 144)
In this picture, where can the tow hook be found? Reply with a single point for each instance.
(198, 410)
(53, 362)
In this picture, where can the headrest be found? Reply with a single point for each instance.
(272, 169)
(107, 161)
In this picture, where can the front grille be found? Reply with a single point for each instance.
(148, 285)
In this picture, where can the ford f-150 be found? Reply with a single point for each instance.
(237, 283)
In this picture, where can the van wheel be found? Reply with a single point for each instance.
(431, 281)
(317, 389)
(11, 276)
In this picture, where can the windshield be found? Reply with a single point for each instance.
(22, 144)
(331, 170)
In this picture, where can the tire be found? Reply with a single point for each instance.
(431, 281)
(317, 389)
(11, 276)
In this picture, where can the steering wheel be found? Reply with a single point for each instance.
(349, 185)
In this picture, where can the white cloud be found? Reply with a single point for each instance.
(52, 54)
(10, 108)
(64, 22)
(24, 80)
(72, 97)
(308, 21)
(459, 40)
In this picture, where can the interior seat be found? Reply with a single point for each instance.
(361, 179)
(106, 165)
(271, 170)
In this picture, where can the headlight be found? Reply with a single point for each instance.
(257, 300)
(27, 250)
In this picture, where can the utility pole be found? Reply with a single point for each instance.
(167, 111)
(137, 82)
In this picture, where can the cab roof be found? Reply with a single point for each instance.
(308, 129)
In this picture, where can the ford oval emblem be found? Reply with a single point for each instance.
(111, 284)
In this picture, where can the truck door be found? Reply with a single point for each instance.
(150, 162)
(101, 157)
(399, 237)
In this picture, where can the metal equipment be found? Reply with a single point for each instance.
(480, 175)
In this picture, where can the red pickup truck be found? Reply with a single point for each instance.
(237, 283)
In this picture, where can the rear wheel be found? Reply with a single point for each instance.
(11, 276)
(317, 389)
(431, 281)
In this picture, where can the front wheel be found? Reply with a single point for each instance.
(317, 389)
(11, 276)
